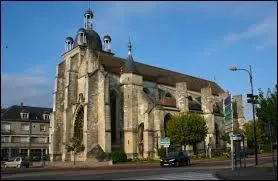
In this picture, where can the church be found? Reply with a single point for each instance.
(114, 103)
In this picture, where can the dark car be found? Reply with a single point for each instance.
(175, 159)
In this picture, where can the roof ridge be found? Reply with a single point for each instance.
(30, 107)
(159, 75)
(138, 62)
(172, 71)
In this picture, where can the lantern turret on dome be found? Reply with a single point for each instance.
(107, 43)
(88, 19)
(68, 43)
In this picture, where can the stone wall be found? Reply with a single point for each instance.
(181, 96)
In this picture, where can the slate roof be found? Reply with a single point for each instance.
(35, 113)
(129, 65)
(93, 39)
(162, 76)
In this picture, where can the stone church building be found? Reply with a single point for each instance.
(115, 103)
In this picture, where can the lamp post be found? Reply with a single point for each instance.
(253, 106)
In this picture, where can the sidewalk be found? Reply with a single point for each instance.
(260, 172)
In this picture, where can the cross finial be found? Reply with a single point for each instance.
(129, 45)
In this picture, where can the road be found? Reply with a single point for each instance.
(198, 170)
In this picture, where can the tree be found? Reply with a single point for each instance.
(187, 129)
(267, 108)
(75, 147)
(225, 137)
(249, 132)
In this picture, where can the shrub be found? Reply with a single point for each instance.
(161, 152)
(266, 148)
(119, 156)
(216, 153)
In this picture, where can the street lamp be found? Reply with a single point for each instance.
(253, 106)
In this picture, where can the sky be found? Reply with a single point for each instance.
(201, 39)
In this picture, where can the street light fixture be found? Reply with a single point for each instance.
(252, 96)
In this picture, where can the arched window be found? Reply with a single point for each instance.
(216, 133)
(113, 96)
(78, 124)
(141, 139)
(166, 121)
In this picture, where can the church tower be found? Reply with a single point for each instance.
(80, 99)
(131, 83)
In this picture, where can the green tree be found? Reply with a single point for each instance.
(267, 108)
(249, 132)
(187, 129)
(225, 137)
(75, 147)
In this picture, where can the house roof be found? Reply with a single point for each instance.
(162, 76)
(35, 113)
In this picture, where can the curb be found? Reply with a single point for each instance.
(219, 176)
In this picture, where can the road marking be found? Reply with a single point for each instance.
(176, 176)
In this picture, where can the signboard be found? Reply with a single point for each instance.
(165, 141)
(236, 137)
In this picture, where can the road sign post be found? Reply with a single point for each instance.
(165, 142)
(228, 118)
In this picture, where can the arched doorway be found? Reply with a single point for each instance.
(141, 139)
(78, 124)
(166, 120)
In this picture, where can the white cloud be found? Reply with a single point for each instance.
(37, 69)
(263, 33)
(265, 30)
(33, 90)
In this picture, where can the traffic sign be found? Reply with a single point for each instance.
(165, 141)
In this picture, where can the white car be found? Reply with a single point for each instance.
(17, 162)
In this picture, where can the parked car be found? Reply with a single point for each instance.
(17, 162)
(175, 159)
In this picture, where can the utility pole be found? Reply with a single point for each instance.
(252, 101)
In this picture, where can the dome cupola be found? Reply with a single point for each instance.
(107, 43)
(87, 36)
(69, 43)
(88, 19)
(81, 36)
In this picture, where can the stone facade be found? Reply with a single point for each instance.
(122, 110)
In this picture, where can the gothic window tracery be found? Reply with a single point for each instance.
(78, 124)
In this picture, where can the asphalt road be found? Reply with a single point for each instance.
(198, 169)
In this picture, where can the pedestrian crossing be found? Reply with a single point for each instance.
(176, 176)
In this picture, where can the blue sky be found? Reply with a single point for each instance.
(201, 39)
